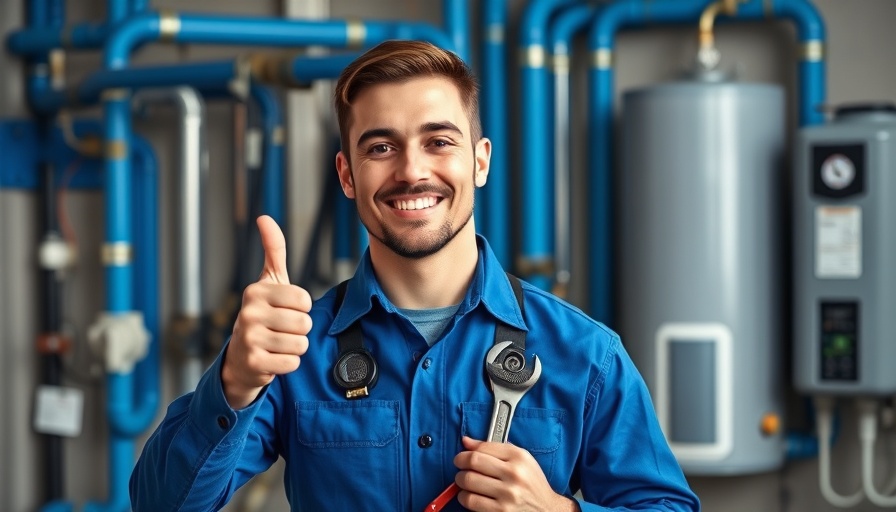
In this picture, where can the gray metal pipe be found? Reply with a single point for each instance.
(192, 180)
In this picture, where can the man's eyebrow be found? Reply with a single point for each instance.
(388, 133)
(440, 126)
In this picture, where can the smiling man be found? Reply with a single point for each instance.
(390, 404)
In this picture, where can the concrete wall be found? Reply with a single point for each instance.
(859, 68)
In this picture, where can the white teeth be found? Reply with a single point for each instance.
(416, 204)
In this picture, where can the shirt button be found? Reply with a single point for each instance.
(426, 363)
(223, 422)
(425, 441)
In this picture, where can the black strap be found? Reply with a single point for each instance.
(351, 338)
(504, 332)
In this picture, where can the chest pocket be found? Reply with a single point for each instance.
(539, 431)
(351, 445)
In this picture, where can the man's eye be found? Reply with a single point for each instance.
(439, 143)
(379, 148)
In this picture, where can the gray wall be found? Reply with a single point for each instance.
(860, 38)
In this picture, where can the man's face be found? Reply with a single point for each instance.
(413, 166)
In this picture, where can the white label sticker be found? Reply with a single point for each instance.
(838, 242)
(58, 411)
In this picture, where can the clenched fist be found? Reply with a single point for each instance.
(271, 331)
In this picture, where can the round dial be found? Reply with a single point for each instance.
(838, 172)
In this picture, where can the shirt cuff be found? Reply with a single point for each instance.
(211, 413)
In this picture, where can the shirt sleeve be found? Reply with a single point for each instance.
(626, 462)
(201, 452)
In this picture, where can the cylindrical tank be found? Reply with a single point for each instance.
(701, 266)
(844, 242)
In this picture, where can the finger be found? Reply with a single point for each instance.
(274, 245)
(278, 296)
(501, 451)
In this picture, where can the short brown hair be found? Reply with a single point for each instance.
(399, 61)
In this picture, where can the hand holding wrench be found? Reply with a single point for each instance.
(510, 379)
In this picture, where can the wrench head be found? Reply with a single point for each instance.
(506, 366)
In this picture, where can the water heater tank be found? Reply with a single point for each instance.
(845, 242)
(701, 266)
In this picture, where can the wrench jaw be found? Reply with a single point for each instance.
(506, 364)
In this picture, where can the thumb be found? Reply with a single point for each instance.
(274, 244)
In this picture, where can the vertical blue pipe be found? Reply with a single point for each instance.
(119, 285)
(457, 26)
(116, 11)
(272, 174)
(812, 68)
(135, 412)
(493, 215)
(537, 186)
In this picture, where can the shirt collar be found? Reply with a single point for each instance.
(490, 287)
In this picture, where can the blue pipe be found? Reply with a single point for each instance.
(144, 26)
(308, 68)
(635, 12)
(457, 26)
(272, 174)
(138, 6)
(258, 31)
(537, 186)
(116, 11)
(493, 215)
(203, 75)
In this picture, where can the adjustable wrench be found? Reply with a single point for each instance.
(510, 378)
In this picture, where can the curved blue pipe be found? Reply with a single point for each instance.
(537, 185)
(272, 119)
(493, 214)
(627, 13)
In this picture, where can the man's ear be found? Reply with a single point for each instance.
(344, 169)
(483, 150)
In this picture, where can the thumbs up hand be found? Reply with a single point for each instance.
(271, 331)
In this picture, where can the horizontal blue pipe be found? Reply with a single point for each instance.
(210, 29)
(308, 68)
(537, 185)
(34, 42)
(493, 214)
(203, 75)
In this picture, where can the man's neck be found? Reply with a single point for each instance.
(438, 280)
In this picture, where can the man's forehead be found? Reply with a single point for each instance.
(413, 107)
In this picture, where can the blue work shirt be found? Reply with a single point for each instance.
(588, 421)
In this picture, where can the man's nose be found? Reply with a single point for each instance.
(413, 167)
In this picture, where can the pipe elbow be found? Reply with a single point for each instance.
(808, 21)
(128, 35)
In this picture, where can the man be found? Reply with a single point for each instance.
(428, 297)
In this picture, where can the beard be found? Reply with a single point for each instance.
(419, 246)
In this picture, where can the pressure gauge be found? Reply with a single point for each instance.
(838, 171)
